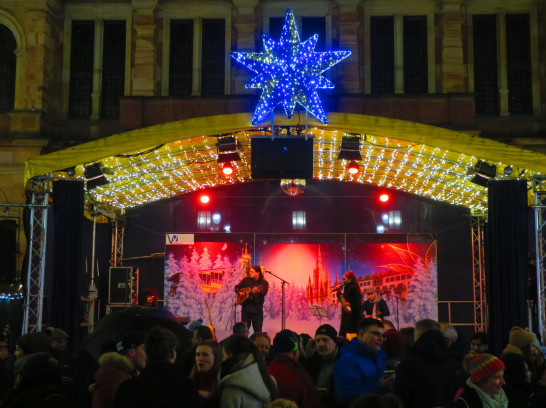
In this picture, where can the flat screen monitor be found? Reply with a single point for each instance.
(282, 157)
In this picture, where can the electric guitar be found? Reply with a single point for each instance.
(244, 293)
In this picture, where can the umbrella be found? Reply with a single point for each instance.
(135, 318)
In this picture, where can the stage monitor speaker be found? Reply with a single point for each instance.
(8, 251)
(122, 285)
(282, 158)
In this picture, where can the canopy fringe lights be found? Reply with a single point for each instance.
(189, 165)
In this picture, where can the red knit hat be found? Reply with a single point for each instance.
(484, 365)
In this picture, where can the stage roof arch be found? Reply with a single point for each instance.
(162, 161)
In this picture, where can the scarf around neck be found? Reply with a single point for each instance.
(496, 401)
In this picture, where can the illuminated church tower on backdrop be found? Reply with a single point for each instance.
(319, 285)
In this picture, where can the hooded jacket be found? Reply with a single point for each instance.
(244, 388)
(357, 372)
(429, 377)
(114, 369)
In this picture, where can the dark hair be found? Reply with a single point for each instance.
(255, 335)
(239, 348)
(304, 339)
(240, 328)
(159, 344)
(217, 353)
(31, 343)
(39, 369)
(353, 281)
(482, 337)
(203, 333)
(258, 269)
(514, 370)
(408, 333)
(367, 322)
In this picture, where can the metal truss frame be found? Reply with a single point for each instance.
(539, 190)
(118, 235)
(39, 191)
(477, 224)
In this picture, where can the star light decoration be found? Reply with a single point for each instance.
(289, 72)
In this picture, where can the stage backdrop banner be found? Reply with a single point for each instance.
(200, 278)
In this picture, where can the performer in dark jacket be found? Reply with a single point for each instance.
(351, 304)
(375, 306)
(251, 291)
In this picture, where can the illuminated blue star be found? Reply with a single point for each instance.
(289, 72)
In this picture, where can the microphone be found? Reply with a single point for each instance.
(267, 271)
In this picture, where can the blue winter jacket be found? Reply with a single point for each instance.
(357, 372)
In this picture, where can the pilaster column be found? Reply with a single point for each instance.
(145, 78)
(398, 53)
(197, 56)
(503, 73)
(245, 24)
(453, 74)
(348, 77)
(97, 70)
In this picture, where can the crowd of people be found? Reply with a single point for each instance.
(419, 367)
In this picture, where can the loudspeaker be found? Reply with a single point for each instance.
(8, 251)
(122, 285)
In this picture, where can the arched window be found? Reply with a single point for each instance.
(7, 69)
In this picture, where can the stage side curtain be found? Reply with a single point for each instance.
(68, 202)
(506, 247)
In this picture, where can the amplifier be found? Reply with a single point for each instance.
(122, 285)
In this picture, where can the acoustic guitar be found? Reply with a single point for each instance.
(244, 293)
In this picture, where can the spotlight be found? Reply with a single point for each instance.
(484, 172)
(508, 170)
(228, 149)
(227, 169)
(384, 197)
(353, 167)
(204, 199)
(94, 176)
(350, 148)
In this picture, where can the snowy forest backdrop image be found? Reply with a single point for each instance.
(200, 280)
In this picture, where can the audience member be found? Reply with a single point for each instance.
(240, 329)
(321, 365)
(409, 336)
(244, 379)
(7, 366)
(395, 347)
(281, 403)
(293, 382)
(429, 377)
(457, 348)
(479, 343)
(263, 342)
(65, 360)
(159, 385)
(38, 385)
(518, 380)
(208, 360)
(200, 333)
(520, 342)
(484, 387)
(374, 305)
(361, 365)
(116, 367)
(30, 343)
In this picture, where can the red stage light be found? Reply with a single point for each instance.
(227, 169)
(204, 199)
(353, 167)
(384, 197)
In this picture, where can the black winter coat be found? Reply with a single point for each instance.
(429, 377)
(350, 321)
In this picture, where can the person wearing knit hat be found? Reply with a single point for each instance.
(321, 365)
(484, 387)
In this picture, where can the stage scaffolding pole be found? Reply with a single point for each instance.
(477, 225)
(33, 306)
(118, 235)
(539, 190)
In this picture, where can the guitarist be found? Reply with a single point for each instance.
(256, 287)
(351, 301)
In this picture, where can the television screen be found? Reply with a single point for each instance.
(283, 157)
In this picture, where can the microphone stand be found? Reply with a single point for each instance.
(397, 314)
(283, 282)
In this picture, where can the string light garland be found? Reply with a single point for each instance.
(289, 72)
(190, 165)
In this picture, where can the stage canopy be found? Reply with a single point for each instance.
(162, 161)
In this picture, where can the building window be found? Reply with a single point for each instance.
(213, 57)
(7, 69)
(518, 58)
(415, 55)
(81, 68)
(382, 54)
(181, 58)
(113, 68)
(298, 221)
(309, 26)
(204, 219)
(486, 86)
